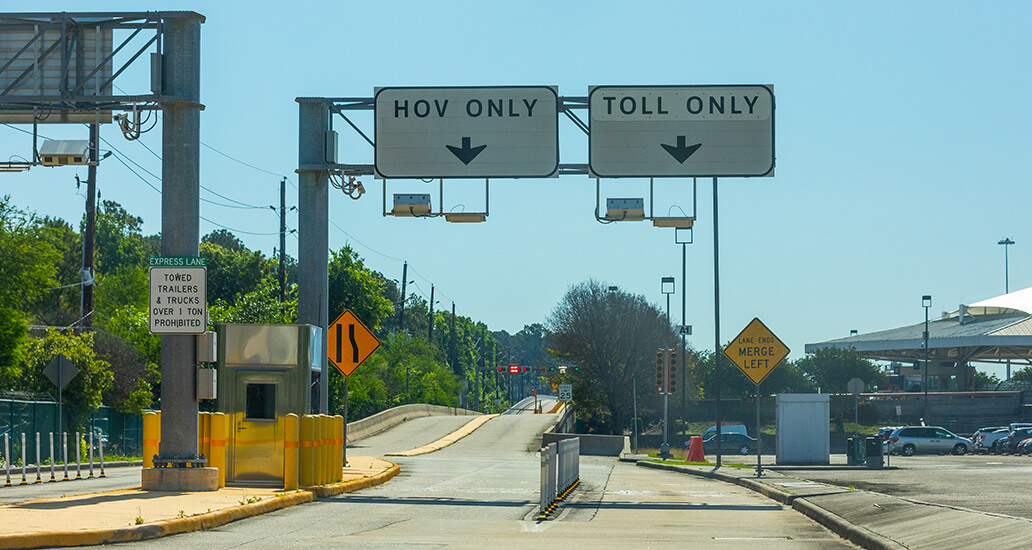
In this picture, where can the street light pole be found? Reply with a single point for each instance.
(926, 302)
(1006, 242)
(684, 241)
(666, 287)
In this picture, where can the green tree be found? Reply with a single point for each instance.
(613, 337)
(60, 306)
(233, 272)
(985, 381)
(355, 287)
(27, 268)
(84, 393)
(831, 369)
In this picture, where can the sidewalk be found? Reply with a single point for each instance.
(869, 519)
(134, 514)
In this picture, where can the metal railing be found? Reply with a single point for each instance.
(15, 451)
(560, 472)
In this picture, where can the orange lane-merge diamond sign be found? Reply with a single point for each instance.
(349, 343)
(756, 351)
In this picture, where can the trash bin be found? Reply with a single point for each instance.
(850, 452)
(874, 453)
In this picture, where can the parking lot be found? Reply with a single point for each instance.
(987, 483)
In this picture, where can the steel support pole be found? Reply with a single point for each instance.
(716, 322)
(89, 232)
(684, 322)
(314, 228)
(634, 394)
(180, 223)
(759, 435)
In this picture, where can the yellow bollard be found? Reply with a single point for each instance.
(157, 444)
(290, 451)
(338, 447)
(217, 459)
(323, 432)
(306, 472)
(150, 438)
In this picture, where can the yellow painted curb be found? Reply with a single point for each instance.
(153, 530)
(199, 522)
(448, 439)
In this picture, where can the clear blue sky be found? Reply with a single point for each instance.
(901, 133)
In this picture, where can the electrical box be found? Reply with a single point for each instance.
(411, 205)
(206, 383)
(207, 346)
(625, 209)
(63, 152)
(331, 147)
(157, 86)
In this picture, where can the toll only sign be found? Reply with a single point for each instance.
(178, 295)
(756, 351)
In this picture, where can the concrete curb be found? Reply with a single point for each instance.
(175, 526)
(854, 533)
(447, 440)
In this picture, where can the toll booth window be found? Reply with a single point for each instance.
(261, 401)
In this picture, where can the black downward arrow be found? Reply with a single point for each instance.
(681, 152)
(466, 153)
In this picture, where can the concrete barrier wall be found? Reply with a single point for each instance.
(372, 425)
(592, 444)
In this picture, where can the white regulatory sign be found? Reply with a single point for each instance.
(681, 131)
(178, 295)
(566, 392)
(480, 132)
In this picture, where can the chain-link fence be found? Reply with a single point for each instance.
(32, 414)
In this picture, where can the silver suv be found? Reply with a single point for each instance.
(927, 439)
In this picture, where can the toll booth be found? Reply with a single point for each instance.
(265, 372)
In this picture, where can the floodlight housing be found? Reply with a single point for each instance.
(625, 209)
(465, 217)
(681, 222)
(411, 205)
(64, 152)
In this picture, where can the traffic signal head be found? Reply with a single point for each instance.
(526, 369)
(501, 369)
(661, 360)
(672, 372)
(551, 369)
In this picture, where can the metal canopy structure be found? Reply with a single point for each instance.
(996, 330)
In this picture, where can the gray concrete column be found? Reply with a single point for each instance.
(314, 227)
(180, 223)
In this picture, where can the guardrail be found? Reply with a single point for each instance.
(560, 472)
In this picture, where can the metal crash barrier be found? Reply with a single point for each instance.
(19, 452)
(560, 472)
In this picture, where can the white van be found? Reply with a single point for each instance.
(724, 429)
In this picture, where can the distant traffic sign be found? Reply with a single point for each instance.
(349, 343)
(681, 131)
(481, 132)
(756, 351)
(60, 371)
(566, 392)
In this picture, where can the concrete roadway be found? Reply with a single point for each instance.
(987, 483)
(483, 490)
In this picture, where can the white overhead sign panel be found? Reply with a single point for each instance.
(481, 132)
(681, 131)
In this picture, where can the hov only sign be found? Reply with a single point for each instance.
(756, 351)
(480, 132)
(681, 131)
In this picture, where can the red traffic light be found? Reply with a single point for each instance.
(526, 369)
(514, 369)
(501, 369)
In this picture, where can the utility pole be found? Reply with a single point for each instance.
(430, 334)
(401, 312)
(282, 239)
(89, 232)
(451, 343)
(483, 362)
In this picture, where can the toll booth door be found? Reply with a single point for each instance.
(257, 430)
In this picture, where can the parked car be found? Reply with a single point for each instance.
(976, 438)
(730, 443)
(989, 441)
(1025, 447)
(724, 429)
(927, 439)
(1010, 445)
